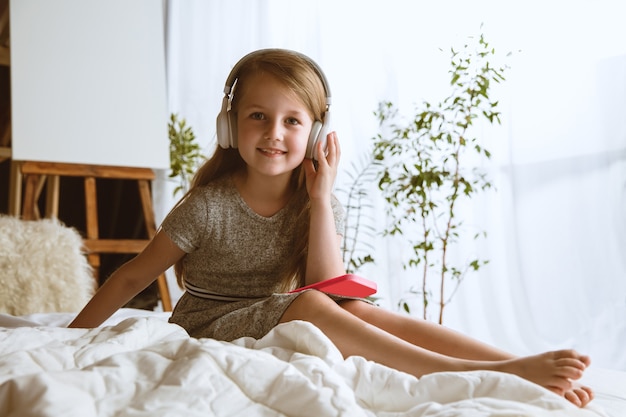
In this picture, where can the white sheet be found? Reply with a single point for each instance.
(144, 366)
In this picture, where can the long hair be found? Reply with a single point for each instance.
(300, 77)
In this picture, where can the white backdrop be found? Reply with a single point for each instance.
(557, 222)
(88, 82)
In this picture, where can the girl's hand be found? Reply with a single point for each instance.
(319, 182)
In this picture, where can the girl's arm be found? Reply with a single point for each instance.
(324, 259)
(129, 280)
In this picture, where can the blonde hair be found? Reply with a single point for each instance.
(297, 74)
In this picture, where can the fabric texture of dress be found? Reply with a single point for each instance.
(233, 251)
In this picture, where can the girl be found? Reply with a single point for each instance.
(260, 219)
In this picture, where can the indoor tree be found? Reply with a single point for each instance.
(429, 162)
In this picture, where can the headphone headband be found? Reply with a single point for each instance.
(234, 73)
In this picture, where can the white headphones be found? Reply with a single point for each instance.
(227, 124)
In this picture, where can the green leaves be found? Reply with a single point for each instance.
(185, 155)
(360, 223)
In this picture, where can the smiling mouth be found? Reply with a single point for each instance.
(272, 151)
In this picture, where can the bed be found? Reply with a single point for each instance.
(138, 364)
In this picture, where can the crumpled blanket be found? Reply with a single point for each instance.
(144, 366)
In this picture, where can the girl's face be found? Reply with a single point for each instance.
(273, 126)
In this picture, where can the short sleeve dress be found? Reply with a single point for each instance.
(232, 251)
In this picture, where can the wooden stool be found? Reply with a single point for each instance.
(36, 173)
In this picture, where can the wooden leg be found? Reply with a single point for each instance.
(91, 226)
(40, 184)
(146, 206)
(52, 197)
(148, 215)
(15, 188)
(30, 197)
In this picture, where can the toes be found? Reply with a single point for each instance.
(580, 396)
(576, 394)
(586, 360)
(570, 362)
(574, 398)
(569, 368)
(584, 393)
(572, 354)
(589, 392)
(570, 372)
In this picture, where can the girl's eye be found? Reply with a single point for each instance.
(257, 116)
(292, 121)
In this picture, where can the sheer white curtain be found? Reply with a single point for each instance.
(557, 222)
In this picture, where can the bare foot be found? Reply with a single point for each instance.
(554, 371)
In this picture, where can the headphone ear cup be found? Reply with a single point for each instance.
(319, 133)
(313, 139)
(232, 130)
(222, 125)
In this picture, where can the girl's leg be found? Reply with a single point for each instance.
(355, 336)
(446, 341)
(426, 334)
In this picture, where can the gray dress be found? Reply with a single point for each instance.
(232, 251)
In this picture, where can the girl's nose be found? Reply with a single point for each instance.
(274, 130)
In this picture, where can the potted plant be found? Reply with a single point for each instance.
(425, 164)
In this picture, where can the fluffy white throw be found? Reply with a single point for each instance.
(42, 267)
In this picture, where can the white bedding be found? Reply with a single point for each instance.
(143, 366)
